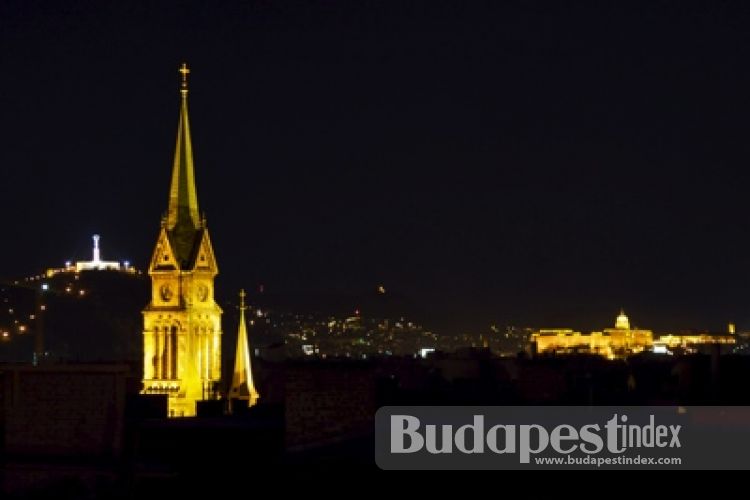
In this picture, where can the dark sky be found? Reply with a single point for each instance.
(519, 161)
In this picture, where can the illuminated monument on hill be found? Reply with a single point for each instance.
(182, 323)
(95, 264)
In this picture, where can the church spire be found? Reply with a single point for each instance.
(183, 199)
(242, 377)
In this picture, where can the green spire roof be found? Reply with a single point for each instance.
(183, 198)
(183, 223)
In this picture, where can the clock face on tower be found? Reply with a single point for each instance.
(166, 293)
(202, 292)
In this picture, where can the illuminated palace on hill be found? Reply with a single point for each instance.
(620, 341)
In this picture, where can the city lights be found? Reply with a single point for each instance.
(460, 212)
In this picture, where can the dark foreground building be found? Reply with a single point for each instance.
(84, 431)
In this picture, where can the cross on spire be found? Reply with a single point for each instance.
(242, 300)
(184, 71)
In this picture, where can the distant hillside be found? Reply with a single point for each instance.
(371, 304)
(92, 316)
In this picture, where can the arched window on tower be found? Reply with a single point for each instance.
(156, 373)
(164, 358)
(209, 354)
(173, 356)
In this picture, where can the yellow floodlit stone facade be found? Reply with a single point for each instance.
(686, 341)
(182, 323)
(617, 342)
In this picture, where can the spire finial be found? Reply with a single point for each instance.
(184, 71)
(242, 300)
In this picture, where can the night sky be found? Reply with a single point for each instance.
(515, 162)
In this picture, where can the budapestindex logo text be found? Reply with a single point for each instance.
(569, 437)
(614, 436)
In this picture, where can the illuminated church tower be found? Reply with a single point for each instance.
(243, 388)
(182, 323)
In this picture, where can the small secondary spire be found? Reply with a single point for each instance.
(242, 387)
